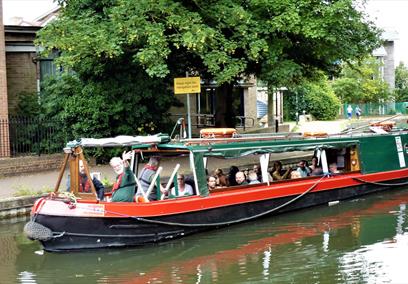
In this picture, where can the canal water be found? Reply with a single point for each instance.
(356, 241)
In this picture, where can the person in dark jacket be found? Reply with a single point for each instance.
(231, 175)
(84, 184)
(146, 177)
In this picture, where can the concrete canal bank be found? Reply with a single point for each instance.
(16, 206)
(25, 176)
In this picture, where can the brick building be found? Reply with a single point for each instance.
(21, 63)
(385, 54)
(4, 131)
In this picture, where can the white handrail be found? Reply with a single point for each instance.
(149, 190)
(176, 168)
(139, 186)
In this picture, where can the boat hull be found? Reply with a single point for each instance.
(75, 233)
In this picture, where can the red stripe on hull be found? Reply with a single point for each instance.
(230, 197)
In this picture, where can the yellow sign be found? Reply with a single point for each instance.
(188, 85)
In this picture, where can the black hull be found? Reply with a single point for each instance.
(78, 233)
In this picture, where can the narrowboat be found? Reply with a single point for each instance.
(366, 163)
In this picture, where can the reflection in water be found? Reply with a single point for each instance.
(355, 241)
(266, 262)
(380, 262)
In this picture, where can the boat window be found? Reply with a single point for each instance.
(169, 174)
(346, 159)
(261, 165)
(296, 164)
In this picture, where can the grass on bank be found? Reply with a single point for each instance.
(26, 191)
(23, 190)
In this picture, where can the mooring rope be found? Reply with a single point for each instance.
(222, 223)
(380, 183)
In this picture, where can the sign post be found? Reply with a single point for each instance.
(187, 85)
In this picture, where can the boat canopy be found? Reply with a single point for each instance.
(119, 141)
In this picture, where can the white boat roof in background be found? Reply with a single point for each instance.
(122, 140)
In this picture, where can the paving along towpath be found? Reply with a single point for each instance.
(11, 186)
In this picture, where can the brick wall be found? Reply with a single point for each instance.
(21, 77)
(30, 164)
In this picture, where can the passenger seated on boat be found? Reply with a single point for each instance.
(240, 178)
(231, 175)
(211, 182)
(333, 168)
(315, 169)
(146, 176)
(184, 189)
(295, 175)
(246, 173)
(278, 173)
(85, 185)
(257, 170)
(253, 178)
(303, 168)
(313, 164)
(123, 189)
(221, 179)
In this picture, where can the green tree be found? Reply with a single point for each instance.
(279, 41)
(361, 82)
(316, 98)
(118, 105)
(401, 83)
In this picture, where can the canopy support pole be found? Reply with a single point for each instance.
(61, 173)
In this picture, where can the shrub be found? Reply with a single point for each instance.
(317, 99)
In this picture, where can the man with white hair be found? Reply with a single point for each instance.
(146, 177)
(123, 189)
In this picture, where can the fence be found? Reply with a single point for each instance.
(208, 120)
(32, 136)
(378, 109)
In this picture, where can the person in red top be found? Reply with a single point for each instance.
(85, 185)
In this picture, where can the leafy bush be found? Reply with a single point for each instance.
(96, 110)
(361, 82)
(401, 83)
(317, 99)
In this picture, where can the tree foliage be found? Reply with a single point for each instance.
(316, 98)
(361, 83)
(122, 105)
(225, 40)
(401, 83)
(279, 41)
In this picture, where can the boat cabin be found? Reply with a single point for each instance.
(197, 159)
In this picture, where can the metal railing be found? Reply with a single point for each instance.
(33, 136)
(244, 122)
(198, 120)
(208, 120)
(377, 109)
